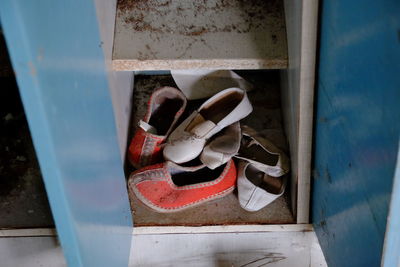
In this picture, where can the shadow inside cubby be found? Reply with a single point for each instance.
(23, 198)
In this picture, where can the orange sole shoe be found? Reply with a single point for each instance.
(164, 108)
(168, 187)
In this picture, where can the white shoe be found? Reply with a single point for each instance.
(197, 84)
(225, 108)
(222, 147)
(256, 189)
(261, 153)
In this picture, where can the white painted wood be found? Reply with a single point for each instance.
(28, 232)
(121, 89)
(297, 98)
(213, 34)
(144, 230)
(317, 256)
(150, 230)
(290, 81)
(245, 228)
(120, 83)
(306, 103)
(391, 245)
(227, 249)
(43, 251)
(279, 245)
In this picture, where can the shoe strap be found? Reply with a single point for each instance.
(147, 127)
(248, 142)
(203, 128)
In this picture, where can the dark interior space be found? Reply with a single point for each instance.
(23, 199)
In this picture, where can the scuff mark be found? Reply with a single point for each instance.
(398, 35)
(328, 175)
(40, 55)
(32, 68)
(273, 257)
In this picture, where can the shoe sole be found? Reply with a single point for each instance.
(150, 205)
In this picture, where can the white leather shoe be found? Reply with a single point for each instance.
(198, 84)
(222, 147)
(261, 153)
(225, 108)
(256, 189)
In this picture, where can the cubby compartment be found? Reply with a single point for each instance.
(269, 43)
(265, 118)
(129, 49)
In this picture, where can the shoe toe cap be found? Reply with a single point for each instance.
(183, 151)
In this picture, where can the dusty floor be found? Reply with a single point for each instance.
(23, 200)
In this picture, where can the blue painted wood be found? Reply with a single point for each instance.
(357, 128)
(56, 53)
(391, 251)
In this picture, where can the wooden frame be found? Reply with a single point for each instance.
(288, 245)
(297, 91)
(298, 97)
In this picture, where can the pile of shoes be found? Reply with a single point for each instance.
(184, 166)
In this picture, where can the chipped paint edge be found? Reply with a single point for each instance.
(222, 229)
(306, 105)
(301, 18)
(148, 230)
(28, 232)
(172, 64)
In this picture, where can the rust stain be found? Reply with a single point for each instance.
(197, 33)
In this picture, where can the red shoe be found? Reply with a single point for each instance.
(165, 106)
(168, 187)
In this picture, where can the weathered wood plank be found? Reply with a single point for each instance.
(216, 34)
(228, 249)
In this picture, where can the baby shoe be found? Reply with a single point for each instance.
(222, 147)
(165, 106)
(168, 187)
(256, 189)
(225, 108)
(261, 153)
